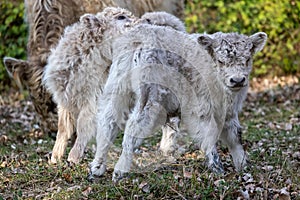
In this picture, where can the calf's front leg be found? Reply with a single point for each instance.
(231, 137)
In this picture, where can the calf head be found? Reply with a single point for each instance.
(116, 20)
(28, 74)
(233, 54)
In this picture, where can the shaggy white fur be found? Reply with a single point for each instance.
(78, 68)
(158, 73)
(46, 20)
(76, 71)
(164, 19)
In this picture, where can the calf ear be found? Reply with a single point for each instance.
(258, 40)
(16, 69)
(87, 18)
(91, 21)
(206, 41)
(96, 25)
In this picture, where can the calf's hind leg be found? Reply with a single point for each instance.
(142, 123)
(170, 131)
(86, 129)
(65, 131)
(107, 130)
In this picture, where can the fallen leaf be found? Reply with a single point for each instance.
(75, 187)
(68, 177)
(284, 194)
(87, 191)
(3, 164)
(187, 174)
(219, 182)
(145, 187)
(3, 139)
(268, 168)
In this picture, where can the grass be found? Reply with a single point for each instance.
(271, 136)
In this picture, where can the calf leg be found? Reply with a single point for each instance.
(65, 131)
(86, 129)
(140, 125)
(213, 161)
(169, 135)
(107, 131)
(206, 134)
(231, 137)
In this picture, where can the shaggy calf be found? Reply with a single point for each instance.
(158, 73)
(76, 71)
(78, 68)
(46, 20)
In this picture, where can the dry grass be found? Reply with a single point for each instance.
(271, 120)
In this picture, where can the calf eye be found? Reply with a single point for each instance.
(220, 62)
(247, 61)
(121, 17)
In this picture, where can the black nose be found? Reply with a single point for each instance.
(237, 81)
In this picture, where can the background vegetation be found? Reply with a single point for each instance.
(279, 19)
(13, 33)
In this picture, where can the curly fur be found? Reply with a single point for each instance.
(155, 77)
(138, 7)
(164, 19)
(77, 70)
(47, 20)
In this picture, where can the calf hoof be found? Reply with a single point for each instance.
(97, 169)
(119, 175)
(214, 163)
(74, 156)
(217, 168)
(244, 166)
(90, 177)
(52, 160)
(169, 151)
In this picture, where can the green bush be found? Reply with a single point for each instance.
(13, 33)
(280, 19)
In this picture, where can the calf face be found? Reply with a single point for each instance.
(233, 55)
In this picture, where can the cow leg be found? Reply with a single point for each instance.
(65, 131)
(206, 134)
(107, 130)
(85, 129)
(140, 125)
(169, 136)
(231, 137)
(213, 161)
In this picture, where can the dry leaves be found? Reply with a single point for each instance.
(272, 174)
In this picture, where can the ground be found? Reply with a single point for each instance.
(271, 127)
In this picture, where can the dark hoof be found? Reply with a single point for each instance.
(90, 177)
(217, 168)
(117, 177)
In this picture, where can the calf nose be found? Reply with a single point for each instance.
(237, 81)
